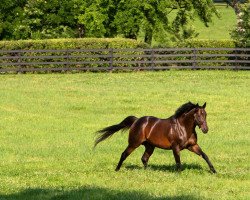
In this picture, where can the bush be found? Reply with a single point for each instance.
(105, 54)
(84, 43)
(207, 44)
(241, 34)
(210, 57)
(74, 49)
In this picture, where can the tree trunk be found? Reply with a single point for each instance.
(148, 36)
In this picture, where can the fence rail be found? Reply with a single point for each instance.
(123, 59)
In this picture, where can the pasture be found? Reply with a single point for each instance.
(219, 28)
(47, 125)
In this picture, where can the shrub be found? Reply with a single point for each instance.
(84, 43)
(207, 43)
(74, 49)
(210, 57)
(242, 32)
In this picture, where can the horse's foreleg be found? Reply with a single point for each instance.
(176, 152)
(196, 149)
(149, 149)
(124, 155)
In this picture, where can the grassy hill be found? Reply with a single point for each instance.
(218, 29)
(221, 27)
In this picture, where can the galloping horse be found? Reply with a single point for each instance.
(176, 132)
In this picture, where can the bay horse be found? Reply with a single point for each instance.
(176, 132)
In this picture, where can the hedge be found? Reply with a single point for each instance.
(83, 43)
(67, 44)
(199, 43)
(100, 58)
(103, 43)
(195, 43)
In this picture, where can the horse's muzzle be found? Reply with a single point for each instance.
(204, 128)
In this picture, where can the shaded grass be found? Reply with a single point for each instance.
(47, 132)
(89, 193)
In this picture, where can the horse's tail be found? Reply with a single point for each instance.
(110, 130)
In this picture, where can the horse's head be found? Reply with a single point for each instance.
(200, 116)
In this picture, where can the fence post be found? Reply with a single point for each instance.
(236, 59)
(111, 59)
(67, 60)
(19, 62)
(194, 58)
(67, 54)
(152, 59)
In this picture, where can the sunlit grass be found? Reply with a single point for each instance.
(220, 28)
(47, 125)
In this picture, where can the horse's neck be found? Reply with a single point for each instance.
(189, 123)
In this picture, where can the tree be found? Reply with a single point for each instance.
(138, 19)
(11, 15)
(147, 18)
(38, 19)
(133, 17)
(241, 34)
(53, 19)
(93, 15)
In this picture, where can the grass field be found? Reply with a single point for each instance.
(220, 28)
(47, 125)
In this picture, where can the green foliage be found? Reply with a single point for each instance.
(194, 43)
(39, 19)
(117, 43)
(218, 29)
(11, 16)
(84, 43)
(53, 19)
(206, 43)
(242, 32)
(152, 18)
(134, 16)
(48, 124)
(96, 17)
(64, 44)
(182, 24)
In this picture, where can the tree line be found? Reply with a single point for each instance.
(38, 19)
(145, 19)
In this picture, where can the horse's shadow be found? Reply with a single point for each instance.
(169, 168)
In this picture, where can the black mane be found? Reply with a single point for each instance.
(184, 109)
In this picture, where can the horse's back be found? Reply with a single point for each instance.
(151, 129)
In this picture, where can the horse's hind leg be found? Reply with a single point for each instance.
(149, 149)
(124, 155)
(136, 138)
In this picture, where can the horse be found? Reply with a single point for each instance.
(174, 133)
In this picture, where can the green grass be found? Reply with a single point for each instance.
(220, 28)
(47, 125)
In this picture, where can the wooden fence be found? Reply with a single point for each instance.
(21, 61)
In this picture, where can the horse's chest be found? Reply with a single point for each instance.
(181, 135)
(180, 132)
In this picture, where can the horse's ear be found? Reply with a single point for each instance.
(204, 105)
(197, 105)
